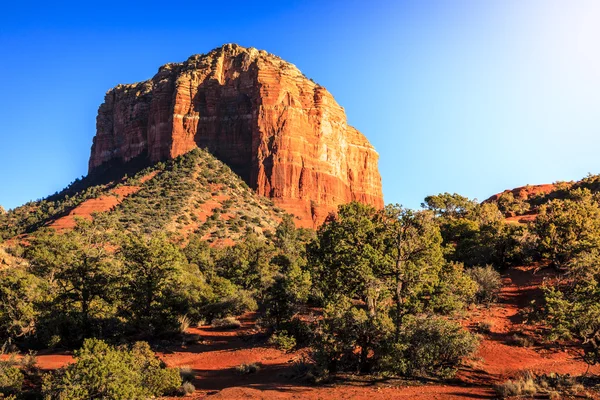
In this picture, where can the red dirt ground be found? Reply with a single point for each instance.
(521, 219)
(214, 358)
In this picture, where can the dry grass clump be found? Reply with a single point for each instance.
(484, 326)
(521, 340)
(226, 323)
(525, 385)
(555, 386)
(184, 323)
(246, 369)
(187, 388)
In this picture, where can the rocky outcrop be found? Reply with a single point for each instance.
(282, 133)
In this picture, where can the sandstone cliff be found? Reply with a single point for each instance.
(282, 133)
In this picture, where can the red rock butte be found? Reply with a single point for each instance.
(282, 133)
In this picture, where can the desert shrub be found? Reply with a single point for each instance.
(11, 378)
(429, 346)
(344, 329)
(246, 369)
(226, 323)
(555, 386)
(283, 341)
(488, 281)
(526, 384)
(103, 371)
(508, 389)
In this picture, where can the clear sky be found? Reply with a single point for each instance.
(460, 96)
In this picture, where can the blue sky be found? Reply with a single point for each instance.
(460, 96)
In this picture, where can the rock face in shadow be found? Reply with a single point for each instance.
(282, 133)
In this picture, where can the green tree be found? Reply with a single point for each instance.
(448, 205)
(414, 247)
(153, 266)
(21, 295)
(349, 254)
(248, 263)
(568, 228)
(83, 277)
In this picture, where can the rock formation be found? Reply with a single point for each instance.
(525, 192)
(282, 133)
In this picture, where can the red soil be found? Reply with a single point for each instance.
(521, 219)
(214, 358)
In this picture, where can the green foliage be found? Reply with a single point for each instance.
(509, 206)
(283, 341)
(364, 258)
(568, 228)
(282, 299)
(569, 235)
(449, 206)
(20, 295)
(348, 252)
(488, 282)
(11, 378)
(153, 269)
(102, 371)
(247, 264)
(235, 302)
(454, 289)
(347, 335)
(81, 278)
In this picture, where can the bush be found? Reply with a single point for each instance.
(489, 283)
(102, 371)
(283, 341)
(187, 388)
(226, 323)
(508, 389)
(525, 385)
(429, 346)
(11, 378)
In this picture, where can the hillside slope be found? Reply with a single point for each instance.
(191, 193)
